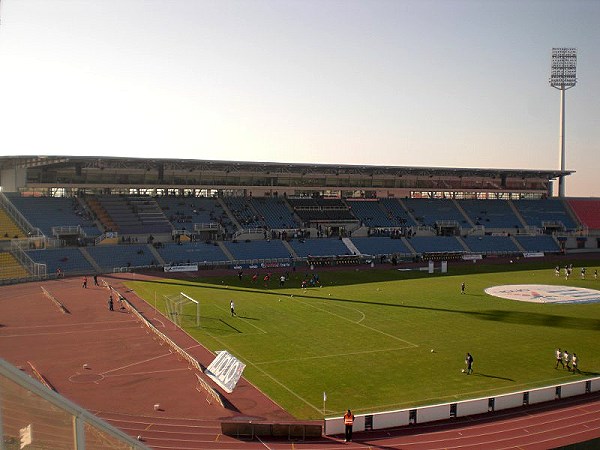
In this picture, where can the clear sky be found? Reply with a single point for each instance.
(404, 83)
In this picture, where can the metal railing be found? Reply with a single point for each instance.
(70, 426)
(16, 215)
(37, 270)
(68, 229)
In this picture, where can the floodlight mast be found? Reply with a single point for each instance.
(563, 77)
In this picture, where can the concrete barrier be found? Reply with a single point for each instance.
(542, 395)
(423, 414)
(572, 389)
(508, 401)
(433, 413)
(472, 407)
(390, 419)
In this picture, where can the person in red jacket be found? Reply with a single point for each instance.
(348, 422)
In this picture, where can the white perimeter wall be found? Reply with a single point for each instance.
(398, 418)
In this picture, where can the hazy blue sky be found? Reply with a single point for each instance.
(406, 83)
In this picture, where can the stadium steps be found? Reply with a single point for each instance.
(102, 216)
(410, 214)
(8, 228)
(226, 251)
(571, 212)
(517, 243)
(89, 259)
(351, 246)
(287, 245)
(463, 243)
(230, 214)
(409, 246)
(11, 268)
(463, 212)
(518, 214)
(159, 258)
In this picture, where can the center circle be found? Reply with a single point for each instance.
(545, 293)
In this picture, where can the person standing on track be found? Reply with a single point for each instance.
(111, 303)
(348, 423)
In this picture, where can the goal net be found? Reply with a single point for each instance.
(183, 310)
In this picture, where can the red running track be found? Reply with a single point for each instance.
(127, 371)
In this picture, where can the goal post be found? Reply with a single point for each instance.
(187, 297)
(175, 305)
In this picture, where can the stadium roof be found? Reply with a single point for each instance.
(102, 162)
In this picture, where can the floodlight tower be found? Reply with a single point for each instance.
(562, 77)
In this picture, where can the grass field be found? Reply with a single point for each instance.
(365, 337)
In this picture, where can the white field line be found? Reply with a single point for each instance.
(276, 381)
(360, 324)
(337, 355)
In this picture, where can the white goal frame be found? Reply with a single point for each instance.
(174, 308)
(187, 297)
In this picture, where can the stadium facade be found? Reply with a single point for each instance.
(68, 175)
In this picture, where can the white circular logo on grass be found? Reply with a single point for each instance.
(544, 293)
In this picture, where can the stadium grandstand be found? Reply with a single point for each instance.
(70, 215)
(65, 216)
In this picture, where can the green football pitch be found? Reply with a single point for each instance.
(384, 339)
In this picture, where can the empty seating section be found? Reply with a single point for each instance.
(490, 244)
(69, 260)
(380, 246)
(543, 243)
(244, 213)
(587, 211)
(8, 228)
(47, 212)
(131, 215)
(319, 247)
(371, 214)
(150, 214)
(321, 209)
(191, 252)
(397, 212)
(492, 214)
(427, 212)
(536, 212)
(274, 212)
(273, 249)
(10, 267)
(433, 244)
(146, 215)
(184, 212)
(109, 257)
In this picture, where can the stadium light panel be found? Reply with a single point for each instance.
(564, 67)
